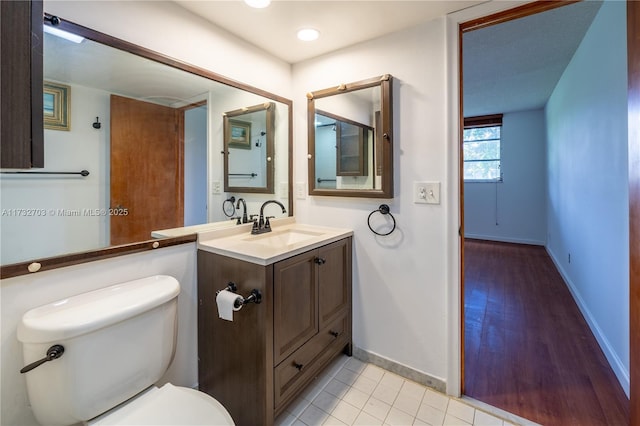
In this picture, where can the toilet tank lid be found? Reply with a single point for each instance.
(87, 312)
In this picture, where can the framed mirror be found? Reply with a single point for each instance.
(249, 149)
(148, 132)
(350, 136)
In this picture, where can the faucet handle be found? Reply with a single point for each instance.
(255, 229)
(267, 224)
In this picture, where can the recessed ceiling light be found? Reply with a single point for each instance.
(308, 34)
(258, 4)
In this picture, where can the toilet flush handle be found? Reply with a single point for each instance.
(54, 352)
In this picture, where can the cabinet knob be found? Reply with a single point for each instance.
(334, 333)
(298, 366)
(320, 261)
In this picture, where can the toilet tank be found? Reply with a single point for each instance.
(117, 341)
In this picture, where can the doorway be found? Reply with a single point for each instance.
(482, 23)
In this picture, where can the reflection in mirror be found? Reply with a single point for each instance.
(344, 153)
(350, 146)
(249, 149)
(150, 131)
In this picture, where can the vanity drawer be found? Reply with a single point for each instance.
(297, 369)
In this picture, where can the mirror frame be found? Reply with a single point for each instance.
(386, 137)
(69, 259)
(269, 107)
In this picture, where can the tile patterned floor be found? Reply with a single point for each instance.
(351, 392)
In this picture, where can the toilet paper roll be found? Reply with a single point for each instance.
(226, 304)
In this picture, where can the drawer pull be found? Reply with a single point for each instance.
(320, 261)
(298, 366)
(334, 333)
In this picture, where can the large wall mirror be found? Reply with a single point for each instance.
(351, 139)
(149, 131)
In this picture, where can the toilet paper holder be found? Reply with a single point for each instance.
(254, 297)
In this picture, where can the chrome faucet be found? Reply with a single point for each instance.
(244, 211)
(262, 225)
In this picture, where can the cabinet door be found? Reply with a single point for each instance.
(351, 150)
(295, 305)
(334, 278)
(21, 135)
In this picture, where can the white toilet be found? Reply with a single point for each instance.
(117, 343)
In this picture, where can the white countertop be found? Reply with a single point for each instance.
(286, 239)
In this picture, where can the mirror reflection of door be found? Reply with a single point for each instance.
(146, 169)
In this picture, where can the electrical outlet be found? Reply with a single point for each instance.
(216, 187)
(426, 192)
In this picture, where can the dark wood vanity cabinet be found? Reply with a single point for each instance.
(21, 103)
(259, 363)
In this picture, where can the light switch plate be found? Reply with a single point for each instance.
(301, 190)
(216, 187)
(284, 190)
(426, 192)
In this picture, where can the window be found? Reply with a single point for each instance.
(481, 148)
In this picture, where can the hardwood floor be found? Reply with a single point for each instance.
(528, 350)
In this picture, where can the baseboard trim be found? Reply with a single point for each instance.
(612, 357)
(400, 369)
(504, 239)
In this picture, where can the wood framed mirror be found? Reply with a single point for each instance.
(350, 138)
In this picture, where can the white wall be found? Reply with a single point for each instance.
(18, 295)
(58, 202)
(588, 182)
(513, 210)
(399, 282)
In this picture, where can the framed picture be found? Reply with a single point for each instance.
(57, 104)
(239, 134)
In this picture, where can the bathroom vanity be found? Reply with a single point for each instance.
(260, 362)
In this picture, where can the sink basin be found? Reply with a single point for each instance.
(285, 237)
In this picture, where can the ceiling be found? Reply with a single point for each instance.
(516, 65)
(341, 23)
(513, 66)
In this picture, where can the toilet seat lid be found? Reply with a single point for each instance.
(168, 405)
